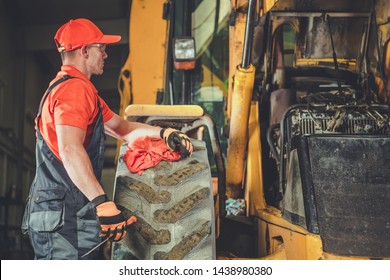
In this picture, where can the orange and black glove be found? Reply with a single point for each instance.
(177, 141)
(112, 222)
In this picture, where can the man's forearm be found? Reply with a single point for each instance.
(128, 131)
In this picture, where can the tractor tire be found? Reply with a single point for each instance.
(173, 203)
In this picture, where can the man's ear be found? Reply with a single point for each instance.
(84, 51)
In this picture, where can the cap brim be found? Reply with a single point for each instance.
(109, 39)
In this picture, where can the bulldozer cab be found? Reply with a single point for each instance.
(291, 155)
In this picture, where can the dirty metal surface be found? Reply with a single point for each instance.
(351, 179)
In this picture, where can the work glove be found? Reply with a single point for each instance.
(112, 222)
(177, 141)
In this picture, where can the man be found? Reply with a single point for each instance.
(68, 211)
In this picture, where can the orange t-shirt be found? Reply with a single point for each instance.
(73, 102)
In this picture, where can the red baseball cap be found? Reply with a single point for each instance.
(80, 32)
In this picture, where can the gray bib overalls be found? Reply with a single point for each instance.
(59, 219)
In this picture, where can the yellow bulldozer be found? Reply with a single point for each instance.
(287, 104)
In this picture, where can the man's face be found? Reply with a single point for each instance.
(96, 56)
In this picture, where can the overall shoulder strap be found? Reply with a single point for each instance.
(50, 88)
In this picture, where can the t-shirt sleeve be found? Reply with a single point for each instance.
(73, 105)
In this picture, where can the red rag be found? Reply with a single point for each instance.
(146, 152)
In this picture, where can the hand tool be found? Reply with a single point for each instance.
(94, 248)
